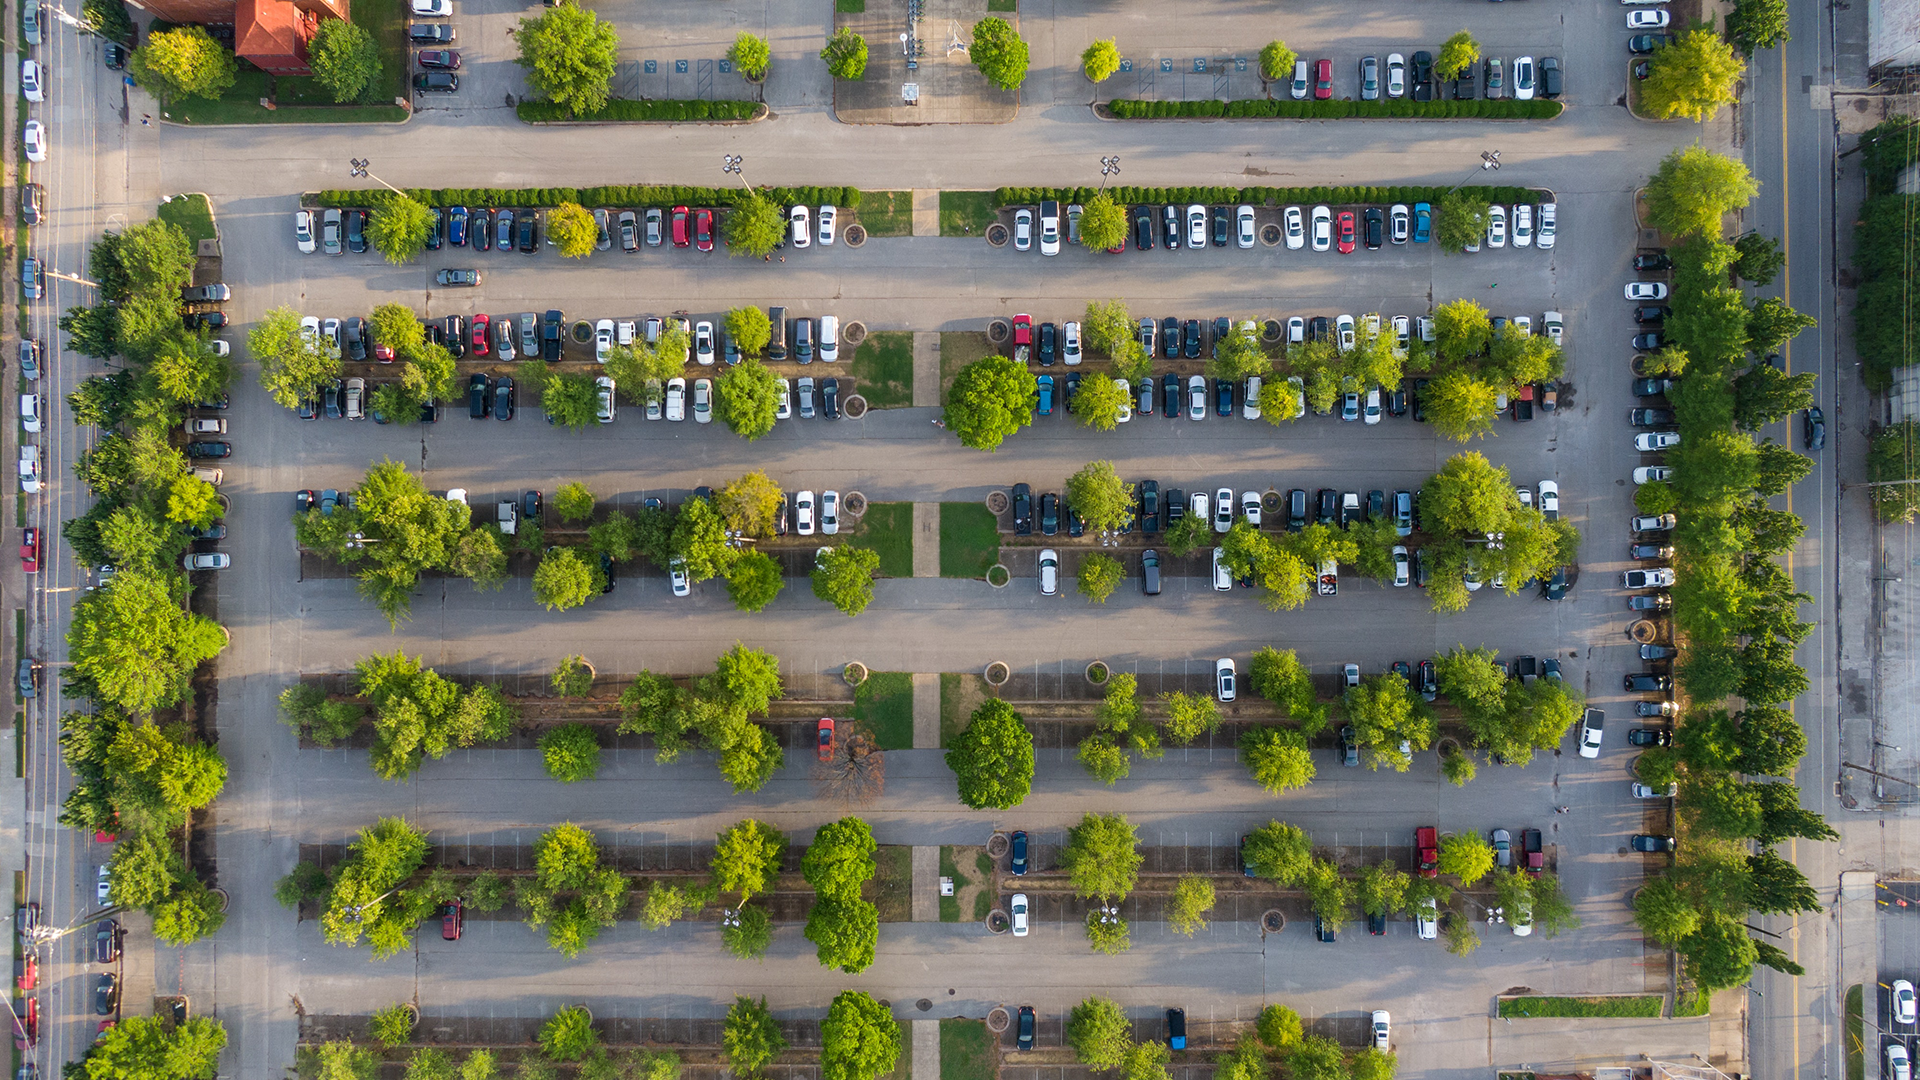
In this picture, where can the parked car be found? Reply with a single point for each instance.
(1643, 682)
(1649, 843)
(1592, 725)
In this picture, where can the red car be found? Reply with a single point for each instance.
(1426, 839)
(1343, 227)
(26, 1025)
(826, 739)
(679, 226)
(26, 973)
(1022, 337)
(451, 917)
(703, 229)
(383, 353)
(30, 551)
(479, 339)
(1323, 80)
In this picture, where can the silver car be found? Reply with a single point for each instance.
(1369, 78)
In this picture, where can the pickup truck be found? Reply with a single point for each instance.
(1426, 840)
(1536, 856)
(509, 518)
(1329, 578)
(1022, 338)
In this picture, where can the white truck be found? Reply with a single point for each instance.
(509, 517)
(1329, 578)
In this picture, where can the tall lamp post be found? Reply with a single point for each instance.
(733, 163)
(1109, 167)
(359, 168)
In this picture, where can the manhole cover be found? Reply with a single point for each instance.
(924, 1004)
(997, 235)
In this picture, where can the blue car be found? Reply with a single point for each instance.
(1019, 863)
(1046, 395)
(457, 226)
(1422, 222)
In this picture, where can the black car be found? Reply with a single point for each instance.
(1076, 528)
(480, 227)
(1023, 1039)
(479, 395)
(114, 55)
(1423, 76)
(1377, 923)
(1550, 76)
(437, 231)
(1222, 326)
(606, 573)
(1190, 339)
(200, 450)
(1049, 514)
(1170, 396)
(106, 993)
(1223, 397)
(356, 338)
(1022, 510)
(310, 407)
(503, 398)
(1323, 931)
(1170, 337)
(527, 225)
(1651, 844)
(1427, 680)
(1647, 682)
(1296, 509)
(1150, 506)
(1652, 261)
(1219, 226)
(1420, 400)
(1376, 505)
(1170, 221)
(1651, 387)
(430, 33)
(1070, 387)
(1143, 228)
(1813, 429)
(1318, 328)
(1646, 736)
(436, 82)
(357, 231)
(830, 398)
(1555, 587)
(553, 330)
(1650, 417)
(1647, 342)
(454, 332)
(1329, 501)
(106, 941)
(1642, 44)
(1349, 747)
(1018, 863)
(1463, 86)
(1376, 227)
(1049, 344)
(1652, 314)
(214, 320)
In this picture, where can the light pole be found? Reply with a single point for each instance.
(1109, 166)
(359, 169)
(733, 163)
(69, 277)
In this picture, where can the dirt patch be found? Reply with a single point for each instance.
(974, 886)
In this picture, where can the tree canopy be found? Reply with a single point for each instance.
(999, 52)
(989, 400)
(184, 62)
(1694, 189)
(992, 758)
(570, 57)
(1692, 77)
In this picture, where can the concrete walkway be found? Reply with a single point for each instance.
(926, 883)
(926, 212)
(926, 711)
(926, 539)
(926, 359)
(926, 1049)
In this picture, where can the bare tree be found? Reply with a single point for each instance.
(856, 774)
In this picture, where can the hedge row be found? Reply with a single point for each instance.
(616, 109)
(1889, 147)
(621, 195)
(1267, 196)
(1283, 109)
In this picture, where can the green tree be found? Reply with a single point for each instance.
(755, 581)
(749, 329)
(151, 1046)
(1099, 575)
(1757, 24)
(840, 859)
(1692, 76)
(1387, 716)
(1146, 1061)
(1460, 219)
(749, 934)
(134, 646)
(1100, 402)
(336, 1060)
(1373, 1063)
(570, 226)
(1382, 889)
(1461, 405)
(751, 56)
(291, 368)
(1457, 53)
(573, 502)
(430, 1063)
(564, 580)
(1777, 887)
(1192, 898)
(1317, 1058)
(1103, 224)
(845, 933)
(1664, 913)
(1102, 857)
(92, 331)
(1281, 678)
(1279, 1028)
(1099, 1033)
(843, 576)
(700, 540)
(1330, 893)
(1466, 856)
(754, 227)
(569, 1035)
(1099, 61)
(1695, 188)
(846, 55)
(1277, 757)
(1468, 497)
(749, 396)
(748, 858)
(1719, 954)
(344, 59)
(751, 1037)
(989, 400)
(1279, 852)
(570, 57)
(1103, 501)
(1276, 61)
(183, 63)
(1771, 324)
(571, 753)
(859, 1039)
(1763, 394)
(570, 400)
(1239, 357)
(1189, 716)
(999, 52)
(1107, 325)
(1759, 257)
(992, 758)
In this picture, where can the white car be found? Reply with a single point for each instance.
(1592, 724)
(1023, 229)
(1402, 335)
(1648, 474)
(1201, 505)
(1017, 907)
(826, 226)
(602, 339)
(1660, 577)
(1380, 1029)
(1551, 323)
(1343, 332)
(1648, 791)
(433, 7)
(1523, 226)
(1371, 411)
(656, 397)
(503, 336)
(703, 401)
(1905, 1009)
(1400, 576)
(1196, 226)
(30, 80)
(1126, 401)
(1521, 918)
(35, 137)
(703, 343)
(1350, 676)
(1197, 397)
(1223, 510)
(1646, 290)
(1223, 678)
(1523, 78)
(1049, 233)
(1244, 215)
(1399, 223)
(1296, 228)
(203, 425)
(1426, 919)
(829, 513)
(603, 404)
(1648, 442)
(802, 229)
(1250, 402)
(803, 513)
(102, 883)
(1299, 396)
(1322, 229)
(676, 400)
(784, 410)
(1049, 572)
(1550, 500)
(303, 231)
(1222, 576)
(1250, 507)
(1543, 231)
(1302, 82)
(1396, 75)
(677, 574)
(29, 468)
(1899, 1066)
(30, 413)
(1496, 226)
(1070, 344)
(1648, 19)
(1296, 331)
(205, 560)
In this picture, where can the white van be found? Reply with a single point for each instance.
(829, 338)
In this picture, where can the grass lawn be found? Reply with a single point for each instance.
(1856, 1045)
(949, 905)
(1642, 1005)
(966, 1051)
(885, 213)
(301, 99)
(888, 529)
(192, 213)
(850, 7)
(1003, 5)
(884, 703)
(961, 209)
(883, 369)
(969, 540)
(893, 883)
(958, 348)
(1694, 1004)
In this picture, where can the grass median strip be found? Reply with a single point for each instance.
(887, 528)
(1641, 1005)
(969, 540)
(886, 213)
(967, 213)
(192, 213)
(884, 703)
(882, 368)
(966, 1051)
